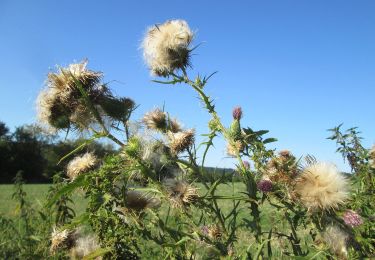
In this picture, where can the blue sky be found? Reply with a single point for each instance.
(296, 67)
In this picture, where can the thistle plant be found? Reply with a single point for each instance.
(155, 194)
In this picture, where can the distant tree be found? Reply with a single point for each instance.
(37, 154)
(27, 155)
(4, 130)
(5, 154)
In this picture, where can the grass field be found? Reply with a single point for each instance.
(36, 195)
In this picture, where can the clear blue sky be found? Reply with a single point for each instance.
(296, 67)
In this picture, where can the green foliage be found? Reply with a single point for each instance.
(363, 194)
(26, 236)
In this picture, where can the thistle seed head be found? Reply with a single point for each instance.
(138, 201)
(60, 239)
(234, 148)
(322, 186)
(181, 194)
(81, 164)
(174, 126)
(156, 120)
(166, 47)
(181, 141)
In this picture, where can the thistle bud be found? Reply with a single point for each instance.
(237, 113)
(235, 130)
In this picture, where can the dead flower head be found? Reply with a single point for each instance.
(66, 80)
(81, 164)
(181, 193)
(322, 186)
(166, 47)
(60, 239)
(372, 156)
(212, 231)
(139, 201)
(174, 126)
(59, 103)
(181, 141)
(156, 120)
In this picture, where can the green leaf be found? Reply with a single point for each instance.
(269, 140)
(67, 189)
(261, 132)
(80, 147)
(98, 252)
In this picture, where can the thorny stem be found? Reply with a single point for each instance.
(211, 110)
(109, 135)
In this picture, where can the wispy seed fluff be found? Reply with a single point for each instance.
(139, 201)
(337, 240)
(181, 141)
(81, 164)
(322, 186)
(84, 246)
(166, 47)
(156, 120)
(181, 193)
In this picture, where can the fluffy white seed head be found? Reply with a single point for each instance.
(165, 47)
(322, 186)
(81, 164)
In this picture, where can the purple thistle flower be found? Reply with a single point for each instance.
(264, 185)
(352, 218)
(237, 113)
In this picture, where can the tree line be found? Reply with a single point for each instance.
(34, 154)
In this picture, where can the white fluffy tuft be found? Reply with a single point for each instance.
(322, 186)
